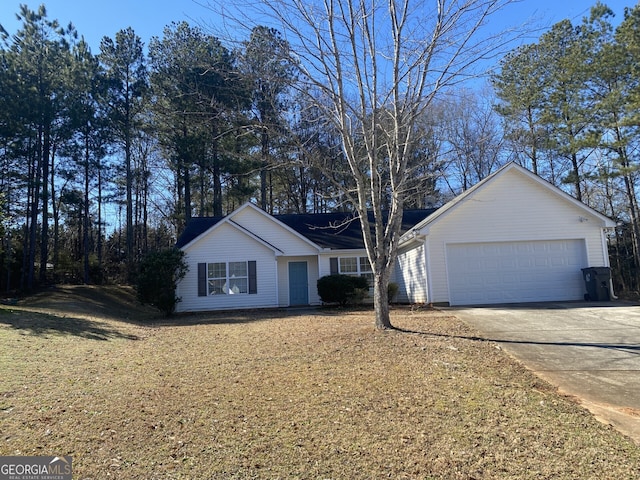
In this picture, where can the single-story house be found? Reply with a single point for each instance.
(511, 238)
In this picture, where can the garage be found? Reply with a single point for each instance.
(512, 238)
(514, 272)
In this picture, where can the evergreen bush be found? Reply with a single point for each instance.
(392, 291)
(158, 276)
(342, 289)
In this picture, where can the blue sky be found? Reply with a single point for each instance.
(95, 19)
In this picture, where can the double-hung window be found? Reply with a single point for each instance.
(227, 278)
(355, 266)
(364, 269)
(348, 265)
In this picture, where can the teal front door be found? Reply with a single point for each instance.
(298, 284)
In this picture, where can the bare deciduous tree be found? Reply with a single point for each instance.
(476, 140)
(378, 66)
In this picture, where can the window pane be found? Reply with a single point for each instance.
(238, 285)
(365, 266)
(237, 269)
(349, 265)
(217, 270)
(216, 287)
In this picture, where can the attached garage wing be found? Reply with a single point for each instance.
(516, 272)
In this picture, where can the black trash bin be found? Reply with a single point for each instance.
(597, 279)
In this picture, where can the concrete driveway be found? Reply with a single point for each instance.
(588, 350)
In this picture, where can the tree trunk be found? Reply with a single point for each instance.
(263, 170)
(145, 209)
(186, 182)
(217, 183)
(185, 162)
(55, 211)
(576, 173)
(633, 216)
(26, 268)
(180, 214)
(534, 141)
(85, 233)
(35, 195)
(381, 300)
(217, 186)
(99, 245)
(44, 238)
(129, 206)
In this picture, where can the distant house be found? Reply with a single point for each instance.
(511, 238)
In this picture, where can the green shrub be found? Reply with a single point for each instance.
(157, 278)
(342, 289)
(392, 291)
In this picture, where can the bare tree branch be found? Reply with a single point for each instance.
(373, 68)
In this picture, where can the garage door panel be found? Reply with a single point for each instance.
(512, 272)
(523, 248)
(541, 262)
(491, 264)
(508, 264)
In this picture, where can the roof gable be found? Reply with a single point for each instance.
(511, 167)
(199, 226)
(273, 230)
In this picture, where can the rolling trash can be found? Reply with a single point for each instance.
(596, 280)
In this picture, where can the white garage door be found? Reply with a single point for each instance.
(513, 272)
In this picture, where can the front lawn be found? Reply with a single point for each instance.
(315, 394)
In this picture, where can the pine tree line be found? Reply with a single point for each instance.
(570, 108)
(105, 157)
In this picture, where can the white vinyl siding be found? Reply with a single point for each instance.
(270, 244)
(411, 276)
(228, 244)
(511, 208)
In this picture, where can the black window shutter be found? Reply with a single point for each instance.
(253, 277)
(333, 265)
(202, 279)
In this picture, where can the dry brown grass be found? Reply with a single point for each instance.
(282, 394)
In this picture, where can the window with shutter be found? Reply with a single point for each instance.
(227, 278)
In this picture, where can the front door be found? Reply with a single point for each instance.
(298, 284)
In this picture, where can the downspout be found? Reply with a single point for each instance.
(277, 282)
(428, 269)
(611, 294)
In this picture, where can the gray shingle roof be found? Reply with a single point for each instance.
(327, 230)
